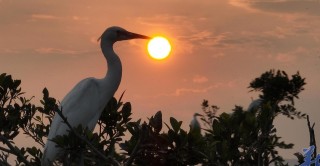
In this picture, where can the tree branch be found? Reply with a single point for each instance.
(312, 137)
(85, 140)
(34, 137)
(14, 150)
(6, 150)
(135, 149)
(4, 163)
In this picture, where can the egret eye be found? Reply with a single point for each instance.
(118, 33)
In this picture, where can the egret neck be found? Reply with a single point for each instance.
(114, 66)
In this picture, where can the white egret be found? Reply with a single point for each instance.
(86, 101)
(195, 125)
(255, 104)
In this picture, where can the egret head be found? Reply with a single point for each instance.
(114, 34)
(196, 114)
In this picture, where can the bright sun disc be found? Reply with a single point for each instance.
(159, 47)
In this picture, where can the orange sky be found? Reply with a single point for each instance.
(218, 48)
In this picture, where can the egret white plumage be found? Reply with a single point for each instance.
(255, 104)
(86, 101)
(194, 124)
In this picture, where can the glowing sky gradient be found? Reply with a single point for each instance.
(218, 47)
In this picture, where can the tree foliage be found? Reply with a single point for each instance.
(238, 138)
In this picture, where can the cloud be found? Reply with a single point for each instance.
(189, 32)
(229, 40)
(242, 4)
(44, 16)
(9, 51)
(292, 56)
(205, 38)
(35, 17)
(310, 7)
(184, 90)
(55, 51)
(279, 32)
(200, 79)
(281, 38)
(181, 91)
(79, 18)
(285, 58)
(163, 20)
(218, 55)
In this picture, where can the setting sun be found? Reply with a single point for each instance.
(159, 47)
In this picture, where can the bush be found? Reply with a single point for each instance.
(238, 138)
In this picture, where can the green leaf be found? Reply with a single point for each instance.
(175, 124)
(156, 122)
(131, 130)
(126, 110)
(45, 93)
(120, 99)
(16, 83)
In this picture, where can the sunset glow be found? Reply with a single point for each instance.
(159, 48)
(211, 50)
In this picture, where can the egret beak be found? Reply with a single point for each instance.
(196, 114)
(137, 36)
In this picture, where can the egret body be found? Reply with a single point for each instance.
(194, 124)
(255, 104)
(86, 101)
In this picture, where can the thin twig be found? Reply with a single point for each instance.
(6, 150)
(4, 163)
(312, 136)
(135, 149)
(15, 150)
(83, 139)
(38, 140)
(4, 159)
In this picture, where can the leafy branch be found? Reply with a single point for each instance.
(238, 138)
(14, 150)
(59, 112)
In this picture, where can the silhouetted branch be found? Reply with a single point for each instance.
(4, 157)
(85, 140)
(4, 163)
(33, 136)
(14, 150)
(312, 137)
(6, 150)
(135, 149)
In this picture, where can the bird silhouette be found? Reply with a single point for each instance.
(255, 104)
(84, 104)
(195, 126)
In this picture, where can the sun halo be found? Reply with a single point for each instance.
(159, 47)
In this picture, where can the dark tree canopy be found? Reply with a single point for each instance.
(238, 138)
